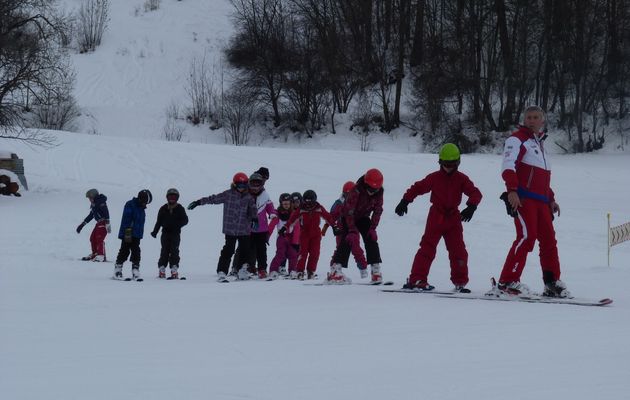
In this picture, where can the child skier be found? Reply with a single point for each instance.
(171, 218)
(260, 228)
(310, 213)
(355, 248)
(444, 220)
(100, 213)
(239, 214)
(131, 232)
(285, 250)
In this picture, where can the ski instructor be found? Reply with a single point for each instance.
(531, 202)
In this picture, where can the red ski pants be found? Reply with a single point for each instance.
(310, 242)
(97, 238)
(450, 228)
(532, 223)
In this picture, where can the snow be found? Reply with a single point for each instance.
(68, 331)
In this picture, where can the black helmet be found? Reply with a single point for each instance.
(256, 180)
(91, 194)
(284, 197)
(145, 196)
(172, 191)
(264, 172)
(296, 196)
(309, 196)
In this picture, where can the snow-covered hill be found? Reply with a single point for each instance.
(68, 331)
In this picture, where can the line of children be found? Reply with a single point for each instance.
(309, 215)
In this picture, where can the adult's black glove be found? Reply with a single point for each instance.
(401, 208)
(468, 212)
(192, 205)
(508, 207)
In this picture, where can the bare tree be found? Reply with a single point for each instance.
(239, 114)
(92, 20)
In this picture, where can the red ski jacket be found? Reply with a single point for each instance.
(446, 191)
(360, 204)
(526, 168)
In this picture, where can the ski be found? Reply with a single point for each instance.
(417, 291)
(530, 299)
(132, 279)
(385, 283)
(181, 278)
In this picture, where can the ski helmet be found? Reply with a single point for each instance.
(264, 172)
(296, 196)
(145, 196)
(240, 177)
(256, 180)
(449, 152)
(172, 192)
(91, 194)
(374, 178)
(348, 187)
(284, 197)
(309, 196)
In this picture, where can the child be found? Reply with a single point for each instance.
(100, 213)
(239, 213)
(309, 214)
(131, 232)
(284, 243)
(444, 220)
(260, 228)
(171, 218)
(335, 212)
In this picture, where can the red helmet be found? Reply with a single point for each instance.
(348, 187)
(373, 178)
(240, 177)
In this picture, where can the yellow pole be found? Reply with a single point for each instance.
(609, 239)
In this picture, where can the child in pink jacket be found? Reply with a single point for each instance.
(285, 244)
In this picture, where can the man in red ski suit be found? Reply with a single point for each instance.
(527, 175)
(360, 215)
(309, 215)
(444, 220)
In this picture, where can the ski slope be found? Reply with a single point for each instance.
(67, 331)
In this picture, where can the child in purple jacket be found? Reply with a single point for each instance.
(239, 214)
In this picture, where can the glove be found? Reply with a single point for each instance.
(401, 208)
(255, 224)
(468, 212)
(373, 235)
(81, 225)
(282, 231)
(325, 228)
(508, 207)
(336, 230)
(128, 235)
(154, 234)
(194, 204)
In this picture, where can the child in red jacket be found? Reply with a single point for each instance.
(444, 220)
(310, 214)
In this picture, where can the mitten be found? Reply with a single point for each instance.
(468, 212)
(508, 207)
(282, 231)
(401, 208)
(194, 204)
(81, 225)
(154, 234)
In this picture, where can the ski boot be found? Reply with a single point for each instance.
(376, 274)
(514, 289)
(161, 272)
(293, 275)
(174, 273)
(135, 273)
(461, 289)
(311, 275)
(243, 273)
(118, 271)
(262, 274)
(420, 286)
(88, 258)
(221, 277)
(556, 289)
(363, 272)
(336, 276)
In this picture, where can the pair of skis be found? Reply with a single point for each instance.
(496, 295)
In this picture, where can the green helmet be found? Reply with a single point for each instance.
(449, 152)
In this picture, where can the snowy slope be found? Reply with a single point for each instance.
(68, 331)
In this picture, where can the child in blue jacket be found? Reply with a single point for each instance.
(130, 232)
